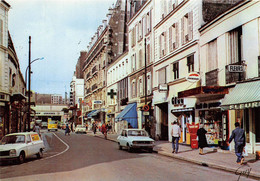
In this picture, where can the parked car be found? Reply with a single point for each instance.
(135, 138)
(80, 129)
(20, 146)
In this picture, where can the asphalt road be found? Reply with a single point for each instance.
(85, 157)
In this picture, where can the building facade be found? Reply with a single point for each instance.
(229, 57)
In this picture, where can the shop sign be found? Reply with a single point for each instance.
(208, 105)
(177, 101)
(193, 77)
(146, 113)
(244, 106)
(235, 68)
(97, 102)
(163, 87)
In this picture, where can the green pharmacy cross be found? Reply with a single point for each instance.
(111, 93)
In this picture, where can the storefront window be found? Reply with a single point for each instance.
(212, 120)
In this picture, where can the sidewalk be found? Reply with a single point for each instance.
(214, 158)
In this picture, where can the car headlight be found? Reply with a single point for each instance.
(12, 152)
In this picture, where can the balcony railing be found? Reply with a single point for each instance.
(212, 78)
(94, 70)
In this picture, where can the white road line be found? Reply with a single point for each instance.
(67, 148)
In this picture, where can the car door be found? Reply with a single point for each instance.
(124, 138)
(36, 143)
(29, 145)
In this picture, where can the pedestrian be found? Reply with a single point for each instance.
(175, 133)
(104, 130)
(238, 135)
(67, 130)
(71, 127)
(94, 127)
(37, 129)
(202, 140)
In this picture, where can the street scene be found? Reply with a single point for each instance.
(130, 90)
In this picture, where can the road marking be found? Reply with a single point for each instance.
(67, 148)
(60, 152)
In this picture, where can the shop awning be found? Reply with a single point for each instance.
(91, 113)
(129, 114)
(244, 95)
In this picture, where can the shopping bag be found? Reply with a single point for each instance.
(245, 153)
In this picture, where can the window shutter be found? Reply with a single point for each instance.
(170, 5)
(177, 34)
(150, 28)
(170, 39)
(160, 46)
(182, 30)
(190, 25)
(165, 43)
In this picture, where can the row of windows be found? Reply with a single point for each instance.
(143, 27)
(118, 72)
(169, 40)
(138, 86)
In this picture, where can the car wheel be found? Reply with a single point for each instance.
(129, 149)
(119, 146)
(40, 154)
(21, 158)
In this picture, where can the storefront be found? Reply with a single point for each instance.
(183, 110)
(207, 111)
(243, 106)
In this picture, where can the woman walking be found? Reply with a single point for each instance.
(201, 133)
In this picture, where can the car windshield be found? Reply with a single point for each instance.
(13, 139)
(52, 122)
(137, 133)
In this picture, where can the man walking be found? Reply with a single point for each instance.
(176, 133)
(238, 135)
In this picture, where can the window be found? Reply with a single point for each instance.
(133, 57)
(190, 63)
(162, 44)
(1, 32)
(176, 70)
(162, 76)
(187, 27)
(140, 30)
(141, 87)
(140, 58)
(149, 22)
(148, 53)
(133, 88)
(173, 36)
(149, 83)
(212, 55)
(235, 42)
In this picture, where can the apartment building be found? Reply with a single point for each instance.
(177, 74)
(230, 58)
(12, 84)
(117, 92)
(140, 38)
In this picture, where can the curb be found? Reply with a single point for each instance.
(206, 164)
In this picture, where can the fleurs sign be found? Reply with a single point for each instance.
(193, 77)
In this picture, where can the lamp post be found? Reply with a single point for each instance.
(29, 86)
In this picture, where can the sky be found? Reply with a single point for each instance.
(59, 30)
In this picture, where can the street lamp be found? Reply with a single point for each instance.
(29, 86)
(28, 67)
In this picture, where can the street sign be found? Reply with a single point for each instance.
(193, 77)
(235, 68)
(146, 113)
(146, 108)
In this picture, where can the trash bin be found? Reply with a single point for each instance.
(193, 128)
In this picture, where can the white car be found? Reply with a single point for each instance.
(20, 146)
(80, 129)
(135, 138)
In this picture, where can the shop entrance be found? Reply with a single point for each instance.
(164, 120)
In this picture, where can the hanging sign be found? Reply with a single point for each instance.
(193, 77)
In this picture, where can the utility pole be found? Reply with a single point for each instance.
(29, 87)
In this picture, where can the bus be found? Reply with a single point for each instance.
(52, 125)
